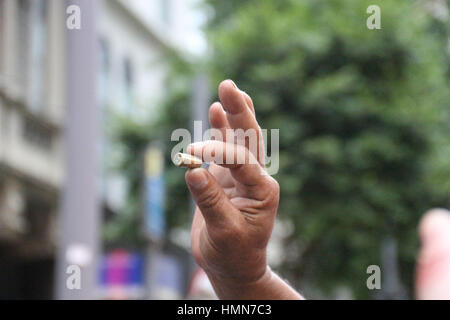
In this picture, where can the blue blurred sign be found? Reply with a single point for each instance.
(154, 193)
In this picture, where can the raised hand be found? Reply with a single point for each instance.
(237, 203)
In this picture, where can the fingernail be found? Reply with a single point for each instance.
(197, 178)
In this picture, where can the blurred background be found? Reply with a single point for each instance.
(86, 117)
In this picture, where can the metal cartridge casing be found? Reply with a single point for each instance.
(187, 161)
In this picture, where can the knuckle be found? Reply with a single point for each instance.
(210, 199)
(274, 189)
(275, 186)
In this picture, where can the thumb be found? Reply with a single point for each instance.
(433, 269)
(212, 201)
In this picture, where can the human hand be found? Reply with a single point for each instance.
(237, 202)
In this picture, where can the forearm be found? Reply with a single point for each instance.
(269, 287)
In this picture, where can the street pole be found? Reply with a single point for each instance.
(154, 214)
(79, 225)
(200, 102)
(392, 288)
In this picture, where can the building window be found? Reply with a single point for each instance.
(38, 54)
(128, 74)
(166, 6)
(37, 135)
(105, 64)
(2, 37)
(31, 51)
(22, 44)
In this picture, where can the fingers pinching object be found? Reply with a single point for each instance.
(187, 161)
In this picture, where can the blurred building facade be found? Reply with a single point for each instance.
(31, 143)
(133, 36)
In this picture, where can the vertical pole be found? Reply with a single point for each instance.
(80, 210)
(153, 195)
(200, 102)
(392, 288)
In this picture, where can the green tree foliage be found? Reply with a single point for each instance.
(357, 111)
(363, 117)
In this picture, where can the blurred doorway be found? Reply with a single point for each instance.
(26, 278)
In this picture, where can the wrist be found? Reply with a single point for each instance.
(229, 288)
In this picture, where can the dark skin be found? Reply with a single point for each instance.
(236, 209)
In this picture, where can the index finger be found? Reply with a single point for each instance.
(240, 115)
